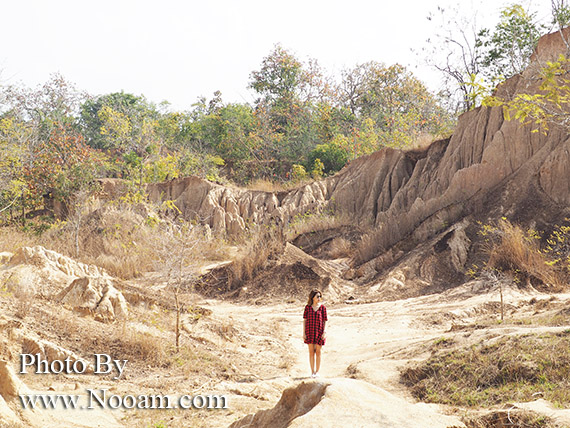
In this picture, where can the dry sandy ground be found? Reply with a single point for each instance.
(373, 341)
(369, 342)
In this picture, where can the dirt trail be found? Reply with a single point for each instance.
(253, 351)
(371, 341)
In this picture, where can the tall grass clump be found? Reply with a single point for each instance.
(264, 243)
(119, 236)
(13, 237)
(515, 251)
(369, 246)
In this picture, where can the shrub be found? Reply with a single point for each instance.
(512, 250)
(332, 157)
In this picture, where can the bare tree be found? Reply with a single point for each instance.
(177, 256)
(499, 279)
(456, 51)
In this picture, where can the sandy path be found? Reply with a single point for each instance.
(371, 341)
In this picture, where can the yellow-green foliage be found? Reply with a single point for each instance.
(318, 168)
(518, 253)
(558, 247)
(298, 173)
(548, 105)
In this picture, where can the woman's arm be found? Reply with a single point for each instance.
(324, 330)
(304, 329)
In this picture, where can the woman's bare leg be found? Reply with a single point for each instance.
(318, 357)
(312, 357)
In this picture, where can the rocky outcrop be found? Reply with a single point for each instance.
(52, 263)
(347, 402)
(50, 351)
(87, 288)
(550, 46)
(95, 296)
(412, 194)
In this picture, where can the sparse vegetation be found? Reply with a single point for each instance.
(524, 256)
(369, 247)
(341, 247)
(509, 369)
(263, 244)
(117, 236)
(314, 221)
(515, 251)
(508, 418)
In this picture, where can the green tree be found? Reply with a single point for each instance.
(14, 137)
(280, 77)
(61, 165)
(511, 43)
(102, 117)
(29, 118)
(49, 105)
(473, 59)
(331, 156)
(390, 107)
(125, 124)
(232, 132)
(288, 92)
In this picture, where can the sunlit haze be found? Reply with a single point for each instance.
(179, 50)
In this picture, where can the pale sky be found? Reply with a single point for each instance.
(178, 50)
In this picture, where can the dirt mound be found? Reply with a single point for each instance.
(96, 296)
(87, 288)
(294, 402)
(347, 402)
(45, 272)
(291, 276)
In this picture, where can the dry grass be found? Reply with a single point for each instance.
(12, 238)
(117, 237)
(423, 141)
(313, 222)
(264, 244)
(341, 247)
(509, 418)
(11, 425)
(514, 251)
(265, 185)
(24, 301)
(194, 361)
(513, 369)
(141, 346)
(369, 246)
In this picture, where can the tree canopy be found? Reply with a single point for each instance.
(56, 140)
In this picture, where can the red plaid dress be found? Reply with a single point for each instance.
(315, 324)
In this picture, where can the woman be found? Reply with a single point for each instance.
(314, 334)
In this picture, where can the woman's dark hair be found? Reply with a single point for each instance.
(312, 294)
